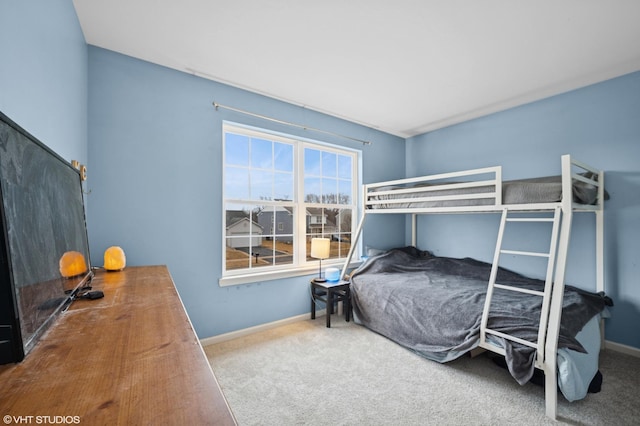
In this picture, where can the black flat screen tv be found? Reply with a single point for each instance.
(44, 249)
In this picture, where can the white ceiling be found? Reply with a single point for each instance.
(402, 66)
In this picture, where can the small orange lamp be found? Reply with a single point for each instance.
(114, 259)
(72, 263)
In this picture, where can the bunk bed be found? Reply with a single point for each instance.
(506, 313)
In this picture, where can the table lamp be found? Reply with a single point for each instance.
(320, 250)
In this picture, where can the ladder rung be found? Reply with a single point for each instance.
(520, 290)
(513, 338)
(529, 219)
(525, 253)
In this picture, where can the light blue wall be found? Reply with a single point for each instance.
(43, 73)
(599, 125)
(154, 164)
(155, 148)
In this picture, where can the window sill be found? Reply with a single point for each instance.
(261, 276)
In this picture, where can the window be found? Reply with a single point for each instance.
(279, 192)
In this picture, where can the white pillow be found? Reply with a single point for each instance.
(373, 251)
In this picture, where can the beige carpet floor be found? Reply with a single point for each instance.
(307, 374)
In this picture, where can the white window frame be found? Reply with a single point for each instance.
(300, 265)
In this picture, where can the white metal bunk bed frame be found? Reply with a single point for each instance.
(549, 330)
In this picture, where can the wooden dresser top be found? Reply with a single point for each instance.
(131, 357)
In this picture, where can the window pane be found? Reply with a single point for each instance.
(329, 191)
(261, 154)
(269, 254)
(311, 162)
(283, 240)
(265, 219)
(344, 167)
(344, 192)
(283, 186)
(277, 243)
(308, 245)
(315, 221)
(236, 149)
(334, 224)
(312, 190)
(261, 185)
(236, 183)
(283, 157)
(243, 234)
(236, 259)
(329, 164)
(341, 240)
(344, 221)
(250, 238)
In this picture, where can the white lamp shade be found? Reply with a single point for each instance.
(320, 248)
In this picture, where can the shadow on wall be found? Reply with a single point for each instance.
(622, 233)
(623, 313)
(622, 245)
(623, 188)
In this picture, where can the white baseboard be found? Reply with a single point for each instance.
(619, 347)
(262, 327)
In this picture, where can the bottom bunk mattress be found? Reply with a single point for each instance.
(433, 306)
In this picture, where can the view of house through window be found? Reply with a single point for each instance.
(279, 192)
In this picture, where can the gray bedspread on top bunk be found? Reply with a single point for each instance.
(523, 191)
(433, 306)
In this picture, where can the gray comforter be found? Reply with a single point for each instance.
(433, 306)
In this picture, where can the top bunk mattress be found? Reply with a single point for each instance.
(523, 191)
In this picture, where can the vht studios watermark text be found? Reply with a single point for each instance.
(41, 420)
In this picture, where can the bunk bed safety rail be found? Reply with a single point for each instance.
(413, 190)
(569, 164)
(574, 170)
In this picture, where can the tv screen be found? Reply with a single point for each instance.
(44, 249)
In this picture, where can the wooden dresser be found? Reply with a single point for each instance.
(130, 358)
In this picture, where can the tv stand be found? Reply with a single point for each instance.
(131, 357)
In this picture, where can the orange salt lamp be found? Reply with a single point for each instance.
(72, 263)
(114, 259)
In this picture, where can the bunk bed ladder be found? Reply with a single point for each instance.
(546, 294)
